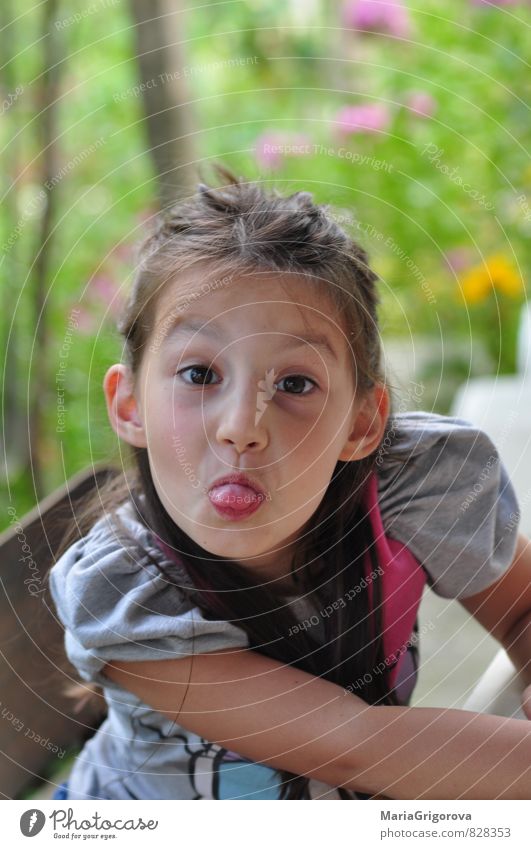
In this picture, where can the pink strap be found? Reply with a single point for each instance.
(402, 583)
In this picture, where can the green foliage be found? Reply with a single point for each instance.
(255, 68)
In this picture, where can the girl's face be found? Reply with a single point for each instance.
(247, 376)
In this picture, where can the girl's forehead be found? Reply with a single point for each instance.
(213, 295)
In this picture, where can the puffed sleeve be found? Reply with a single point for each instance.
(115, 606)
(445, 494)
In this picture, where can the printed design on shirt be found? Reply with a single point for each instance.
(217, 773)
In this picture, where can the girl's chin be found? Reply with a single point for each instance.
(250, 556)
(244, 556)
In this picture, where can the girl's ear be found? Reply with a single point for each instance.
(369, 425)
(122, 406)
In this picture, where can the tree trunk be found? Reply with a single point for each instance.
(159, 48)
(14, 441)
(47, 128)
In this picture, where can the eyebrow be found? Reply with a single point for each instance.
(192, 326)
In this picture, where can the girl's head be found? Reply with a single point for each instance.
(252, 346)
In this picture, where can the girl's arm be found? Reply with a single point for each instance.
(281, 716)
(504, 609)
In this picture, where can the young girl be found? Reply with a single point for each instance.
(248, 599)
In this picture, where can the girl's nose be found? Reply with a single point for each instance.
(242, 421)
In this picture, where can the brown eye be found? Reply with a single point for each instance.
(295, 384)
(199, 375)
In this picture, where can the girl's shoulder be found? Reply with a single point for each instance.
(118, 551)
(444, 492)
(413, 432)
(116, 601)
(419, 440)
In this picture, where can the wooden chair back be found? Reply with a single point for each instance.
(37, 723)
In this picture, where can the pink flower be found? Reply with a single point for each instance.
(124, 251)
(457, 259)
(271, 147)
(266, 150)
(389, 17)
(422, 103)
(86, 322)
(369, 118)
(104, 289)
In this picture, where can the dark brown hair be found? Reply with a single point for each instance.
(236, 228)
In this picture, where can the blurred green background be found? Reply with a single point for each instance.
(412, 122)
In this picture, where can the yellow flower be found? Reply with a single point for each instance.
(496, 272)
(475, 285)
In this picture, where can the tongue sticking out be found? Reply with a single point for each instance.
(235, 496)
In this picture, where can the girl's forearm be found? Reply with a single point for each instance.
(431, 753)
(285, 718)
(517, 644)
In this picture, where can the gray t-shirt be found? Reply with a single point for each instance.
(442, 492)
